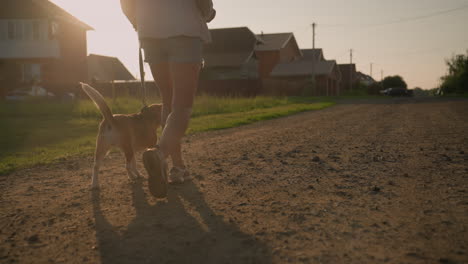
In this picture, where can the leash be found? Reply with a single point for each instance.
(142, 77)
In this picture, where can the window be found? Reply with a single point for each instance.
(11, 30)
(22, 30)
(53, 30)
(28, 34)
(3, 30)
(31, 72)
(36, 30)
(19, 30)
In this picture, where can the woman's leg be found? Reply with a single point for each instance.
(162, 77)
(184, 86)
(185, 80)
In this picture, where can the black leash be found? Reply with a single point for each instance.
(142, 77)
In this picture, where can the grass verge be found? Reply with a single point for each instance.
(228, 120)
(43, 132)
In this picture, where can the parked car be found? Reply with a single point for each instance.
(16, 95)
(35, 91)
(397, 91)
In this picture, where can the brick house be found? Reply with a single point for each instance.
(42, 43)
(276, 48)
(349, 78)
(230, 63)
(107, 69)
(300, 73)
(112, 79)
(365, 79)
(231, 54)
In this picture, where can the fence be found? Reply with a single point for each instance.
(236, 87)
(124, 89)
(233, 87)
(278, 87)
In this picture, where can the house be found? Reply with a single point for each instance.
(107, 69)
(41, 43)
(368, 83)
(230, 64)
(312, 71)
(276, 48)
(349, 76)
(112, 79)
(231, 54)
(365, 79)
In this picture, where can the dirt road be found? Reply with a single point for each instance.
(362, 182)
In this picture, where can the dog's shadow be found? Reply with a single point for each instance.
(182, 230)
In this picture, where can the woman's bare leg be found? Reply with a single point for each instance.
(163, 79)
(184, 86)
(185, 78)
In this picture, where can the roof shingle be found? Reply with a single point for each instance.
(273, 41)
(313, 54)
(104, 68)
(230, 47)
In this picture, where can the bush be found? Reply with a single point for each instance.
(456, 81)
(394, 82)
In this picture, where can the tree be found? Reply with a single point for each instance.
(456, 80)
(394, 82)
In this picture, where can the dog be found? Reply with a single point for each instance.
(129, 132)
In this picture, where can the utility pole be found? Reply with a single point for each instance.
(313, 84)
(313, 35)
(351, 69)
(381, 78)
(371, 69)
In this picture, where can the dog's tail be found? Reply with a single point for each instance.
(99, 102)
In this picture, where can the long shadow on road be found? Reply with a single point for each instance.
(182, 230)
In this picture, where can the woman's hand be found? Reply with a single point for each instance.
(206, 9)
(213, 15)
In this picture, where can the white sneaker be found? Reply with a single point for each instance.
(178, 175)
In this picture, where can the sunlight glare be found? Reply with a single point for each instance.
(112, 35)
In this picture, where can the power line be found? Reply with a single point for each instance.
(402, 20)
(416, 18)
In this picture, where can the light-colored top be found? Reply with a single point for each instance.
(170, 18)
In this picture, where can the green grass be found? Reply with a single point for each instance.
(42, 132)
(227, 120)
(459, 95)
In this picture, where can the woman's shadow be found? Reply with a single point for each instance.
(182, 230)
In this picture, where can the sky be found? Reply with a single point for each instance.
(411, 38)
